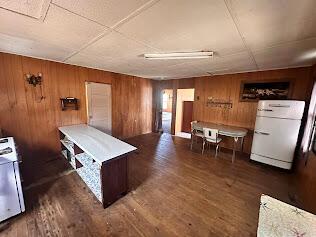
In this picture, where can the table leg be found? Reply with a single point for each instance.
(234, 149)
(191, 141)
(242, 144)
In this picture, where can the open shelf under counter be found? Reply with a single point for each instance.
(99, 159)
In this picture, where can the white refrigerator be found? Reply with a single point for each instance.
(11, 196)
(276, 131)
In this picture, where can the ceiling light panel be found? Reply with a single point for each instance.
(106, 12)
(115, 50)
(184, 55)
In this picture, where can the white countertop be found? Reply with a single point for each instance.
(100, 146)
(10, 157)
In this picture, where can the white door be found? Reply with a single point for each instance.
(99, 101)
(275, 138)
(9, 199)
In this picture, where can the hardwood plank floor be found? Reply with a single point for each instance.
(174, 192)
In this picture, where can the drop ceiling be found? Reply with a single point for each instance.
(113, 35)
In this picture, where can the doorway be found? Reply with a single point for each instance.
(184, 112)
(99, 106)
(166, 117)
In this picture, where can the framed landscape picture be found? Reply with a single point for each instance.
(265, 90)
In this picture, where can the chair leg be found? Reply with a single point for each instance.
(216, 150)
(203, 146)
(191, 142)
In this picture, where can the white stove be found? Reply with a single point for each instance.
(11, 195)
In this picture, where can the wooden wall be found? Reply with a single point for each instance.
(243, 114)
(34, 123)
(227, 87)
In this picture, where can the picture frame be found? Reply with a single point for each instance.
(273, 89)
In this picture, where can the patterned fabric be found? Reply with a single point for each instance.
(278, 219)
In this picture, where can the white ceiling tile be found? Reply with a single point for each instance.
(280, 33)
(293, 54)
(115, 46)
(235, 62)
(60, 28)
(116, 52)
(32, 48)
(106, 12)
(185, 25)
(32, 8)
(266, 23)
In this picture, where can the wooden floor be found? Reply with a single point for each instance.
(174, 192)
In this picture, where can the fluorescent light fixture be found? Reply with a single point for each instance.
(184, 55)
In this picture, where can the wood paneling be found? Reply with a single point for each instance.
(243, 114)
(34, 123)
(227, 87)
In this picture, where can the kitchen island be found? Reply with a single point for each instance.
(99, 159)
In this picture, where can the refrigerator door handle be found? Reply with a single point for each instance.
(262, 133)
(267, 110)
(279, 106)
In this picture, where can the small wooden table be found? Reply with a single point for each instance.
(224, 130)
(99, 159)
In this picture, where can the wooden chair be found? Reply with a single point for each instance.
(195, 133)
(211, 136)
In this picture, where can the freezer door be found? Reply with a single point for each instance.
(275, 138)
(288, 109)
(9, 198)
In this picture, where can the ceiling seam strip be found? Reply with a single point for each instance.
(236, 22)
(25, 15)
(65, 9)
(46, 13)
(109, 29)
(135, 13)
(137, 41)
(19, 13)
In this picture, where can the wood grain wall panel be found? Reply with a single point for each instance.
(33, 122)
(227, 87)
(243, 114)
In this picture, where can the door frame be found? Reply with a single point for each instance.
(175, 106)
(172, 125)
